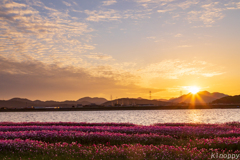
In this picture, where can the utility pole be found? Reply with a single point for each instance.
(150, 95)
(111, 100)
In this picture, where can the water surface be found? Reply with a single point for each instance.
(144, 117)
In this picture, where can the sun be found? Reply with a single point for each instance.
(193, 89)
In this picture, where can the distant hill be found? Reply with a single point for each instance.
(164, 100)
(23, 102)
(95, 100)
(133, 101)
(228, 99)
(19, 100)
(199, 98)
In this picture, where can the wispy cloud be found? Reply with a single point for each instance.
(164, 10)
(66, 3)
(178, 35)
(174, 69)
(50, 37)
(193, 11)
(101, 15)
(188, 3)
(115, 15)
(233, 5)
(109, 2)
(42, 43)
(129, 73)
(208, 12)
(14, 4)
(99, 56)
(152, 37)
(34, 79)
(208, 15)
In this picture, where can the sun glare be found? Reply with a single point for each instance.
(193, 89)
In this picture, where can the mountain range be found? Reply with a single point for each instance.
(23, 102)
(134, 101)
(201, 97)
(228, 99)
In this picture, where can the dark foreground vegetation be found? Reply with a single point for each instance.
(67, 140)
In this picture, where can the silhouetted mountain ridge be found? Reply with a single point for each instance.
(228, 99)
(23, 102)
(19, 100)
(134, 101)
(201, 97)
(95, 100)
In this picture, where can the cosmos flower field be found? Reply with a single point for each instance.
(66, 140)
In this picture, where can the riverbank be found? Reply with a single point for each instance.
(93, 108)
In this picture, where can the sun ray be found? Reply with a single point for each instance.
(202, 102)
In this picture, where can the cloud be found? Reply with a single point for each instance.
(107, 15)
(109, 2)
(174, 69)
(152, 37)
(116, 14)
(211, 74)
(36, 80)
(66, 3)
(43, 47)
(130, 73)
(15, 4)
(99, 56)
(186, 4)
(163, 11)
(178, 35)
(233, 5)
(207, 16)
(168, 5)
(146, 3)
(32, 30)
(208, 12)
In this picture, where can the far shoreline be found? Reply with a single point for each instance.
(124, 108)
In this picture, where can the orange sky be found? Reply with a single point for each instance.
(72, 49)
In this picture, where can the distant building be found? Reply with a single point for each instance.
(29, 107)
(145, 105)
(92, 105)
(79, 105)
(39, 107)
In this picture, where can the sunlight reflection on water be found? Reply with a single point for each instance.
(145, 117)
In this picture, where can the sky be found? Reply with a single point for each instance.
(65, 50)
